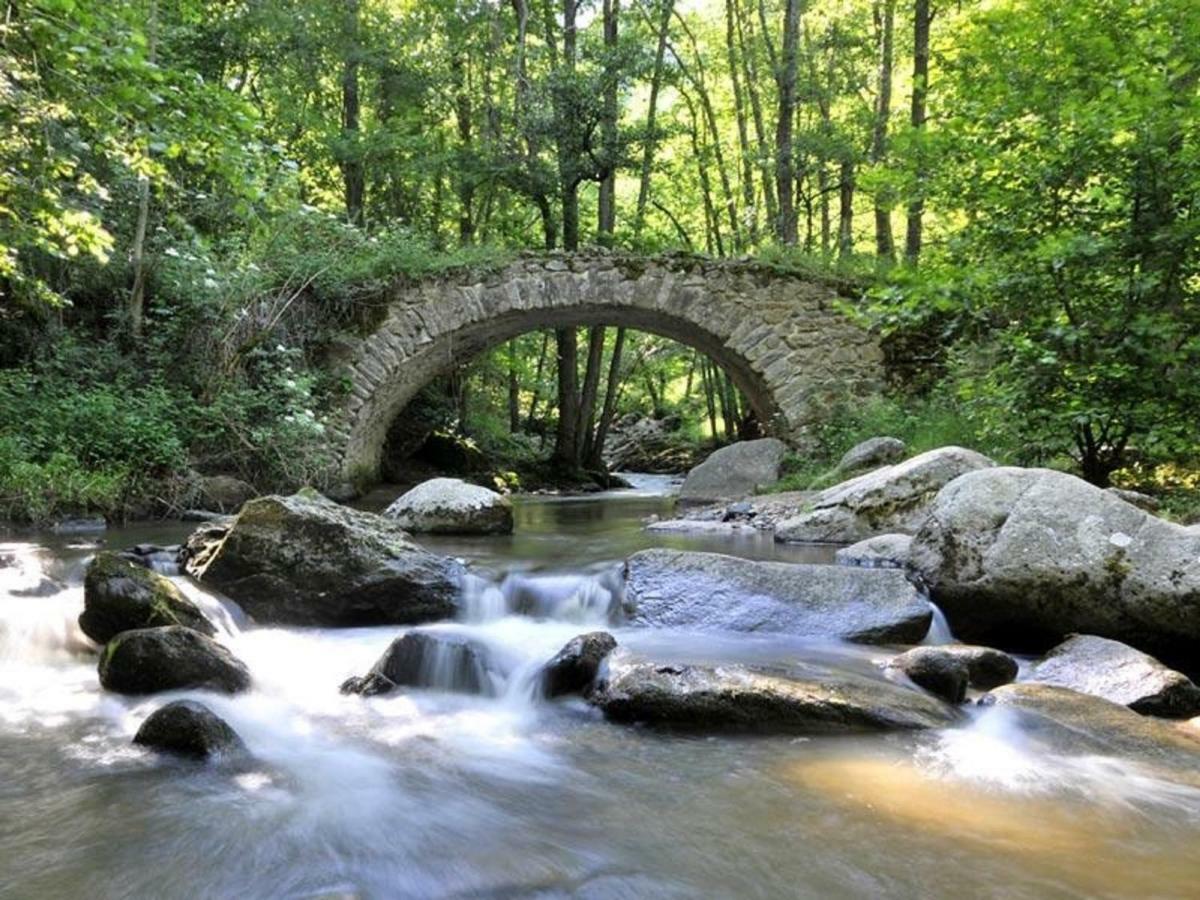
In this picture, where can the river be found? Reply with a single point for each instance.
(428, 793)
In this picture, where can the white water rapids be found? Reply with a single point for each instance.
(434, 793)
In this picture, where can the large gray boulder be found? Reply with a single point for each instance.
(188, 728)
(305, 560)
(735, 698)
(452, 506)
(710, 591)
(443, 661)
(1020, 558)
(892, 499)
(1118, 672)
(149, 660)
(872, 453)
(119, 595)
(733, 472)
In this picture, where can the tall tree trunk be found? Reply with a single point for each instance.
(595, 455)
(567, 163)
(514, 390)
(137, 294)
(750, 72)
(785, 77)
(565, 447)
(846, 207)
(743, 131)
(590, 394)
(713, 225)
(463, 177)
(651, 142)
(353, 170)
(537, 381)
(710, 403)
(607, 212)
(915, 225)
(885, 18)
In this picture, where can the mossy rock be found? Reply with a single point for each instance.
(120, 596)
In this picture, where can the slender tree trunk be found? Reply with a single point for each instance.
(591, 389)
(713, 227)
(750, 72)
(651, 142)
(353, 171)
(885, 16)
(743, 131)
(537, 382)
(607, 212)
(846, 177)
(710, 404)
(463, 177)
(514, 390)
(595, 456)
(567, 163)
(565, 448)
(786, 227)
(137, 294)
(915, 225)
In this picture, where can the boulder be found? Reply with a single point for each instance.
(172, 658)
(735, 698)
(733, 472)
(188, 728)
(701, 527)
(892, 499)
(872, 453)
(710, 591)
(1069, 722)
(119, 595)
(448, 662)
(305, 560)
(157, 558)
(574, 668)
(1117, 672)
(945, 675)
(224, 493)
(884, 551)
(452, 506)
(987, 668)
(1019, 558)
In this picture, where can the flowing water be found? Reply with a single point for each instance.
(436, 793)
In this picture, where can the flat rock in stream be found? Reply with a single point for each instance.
(1118, 672)
(710, 591)
(305, 560)
(735, 698)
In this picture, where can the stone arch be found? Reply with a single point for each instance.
(781, 338)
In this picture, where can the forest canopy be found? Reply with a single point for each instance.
(198, 198)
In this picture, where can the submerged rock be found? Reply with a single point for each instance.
(884, 551)
(893, 499)
(702, 527)
(119, 595)
(945, 675)
(1077, 723)
(149, 660)
(574, 668)
(872, 453)
(680, 589)
(305, 560)
(733, 472)
(1117, 672)
(734, 698)
(448, 662)
(452, 506)
(188, 728)
(1023, 557)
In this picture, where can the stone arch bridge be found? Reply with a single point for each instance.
(781, 337)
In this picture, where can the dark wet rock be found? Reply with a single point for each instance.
(574, 668)
(188, 728)
(1020, 558)
(444, 661)
(943, 674)
(1118, 672)
(158, 558)
(738, 511)
(885, 551)
(987, 667)
(680, 589)
(734, 698)
(149, 660)
(1068, 721)
(893, 499)
(872, 453)
(306, 560)
(734, 472)
(119, 595)
(224, 493)
(452, 506)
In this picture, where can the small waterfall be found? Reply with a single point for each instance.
(226, 615)
(483, 600)
(38, 615)
(583, 599)
(939, 628)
